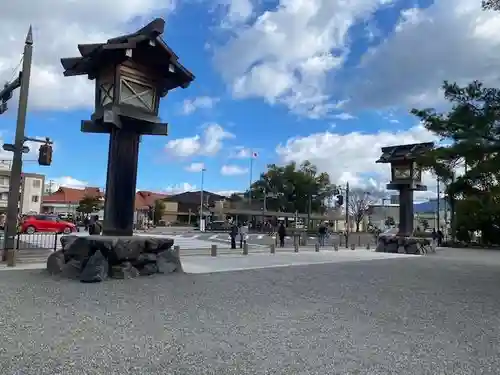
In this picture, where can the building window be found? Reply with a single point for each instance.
(35, 198)
(4, 181)
(4, 196)
(37, 183)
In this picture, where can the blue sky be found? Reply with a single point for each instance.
(291, 80)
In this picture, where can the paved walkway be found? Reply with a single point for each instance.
(196, 261)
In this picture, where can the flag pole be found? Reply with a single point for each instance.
(250, 183)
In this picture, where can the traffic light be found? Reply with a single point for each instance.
(340, 200)
(6, 93)
(45, 155)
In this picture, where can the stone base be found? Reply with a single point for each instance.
(401, 245)
(96, 258)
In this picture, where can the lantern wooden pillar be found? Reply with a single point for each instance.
(406, 178)
(131, 73)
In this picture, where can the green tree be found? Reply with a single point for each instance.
(491, 4)
(471, 138)
(424, 223)
(390, 222)
(291, 188)
(157, 211)
(89, 205)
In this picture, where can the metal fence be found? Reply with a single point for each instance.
(38, 240)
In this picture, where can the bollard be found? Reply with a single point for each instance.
(316, 247)
(353, 247)
(213, 250)
(272, 248)
(11, 258)
(336, 247)
(296, 248)
(245, 249)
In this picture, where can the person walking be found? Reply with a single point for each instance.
(434, 239)
(233, 233)
(95, 228)
(282, 234)
(322, 234)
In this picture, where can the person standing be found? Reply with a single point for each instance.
(282, 234)
(322, 234)
(233, 233)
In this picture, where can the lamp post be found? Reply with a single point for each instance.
(132, 72)
(202, 220)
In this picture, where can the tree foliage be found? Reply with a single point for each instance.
(491, 4)
(290, 188)
(470, 134)
(390, 222)
(156, 212)
(359, 206)
(89, 205)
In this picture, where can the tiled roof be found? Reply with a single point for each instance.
(70, 195)
(193, 197)
(145, 199)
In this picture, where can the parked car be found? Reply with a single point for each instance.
(46, 223)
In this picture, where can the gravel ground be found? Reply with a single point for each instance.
(432, 315)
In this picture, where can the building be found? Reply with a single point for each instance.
(30, 195)
(145, 202)
(66, 200)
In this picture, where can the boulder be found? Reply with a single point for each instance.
(148, 269)
(95, 269)
(94, 258)
(72, 269)
(124, 270)
(400, 244)
(157, 245)
(67, 240)
(169, 261)
(55, 262)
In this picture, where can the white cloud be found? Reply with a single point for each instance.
(351, 157)
(237, 11)
(202, 102)
(180, 188)
(58, 26)
(207, 144)
(291, 52)
(226, 193)
(452, 40)
(344, 116)
(233, 170)
(54, 184)
(195, 167)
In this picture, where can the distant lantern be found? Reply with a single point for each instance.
(406, 176)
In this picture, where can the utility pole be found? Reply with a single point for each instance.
(202, 221)
(17, 159)
(347, 215)
(438, 218)
(51, 183)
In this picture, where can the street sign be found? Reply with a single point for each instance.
(12, 148)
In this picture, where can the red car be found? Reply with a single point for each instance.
(46, 223)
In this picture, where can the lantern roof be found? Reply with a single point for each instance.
(408, 152)
(148, 48)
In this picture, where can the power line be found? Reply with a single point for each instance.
(14, 71)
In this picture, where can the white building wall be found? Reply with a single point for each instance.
(31, 198)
